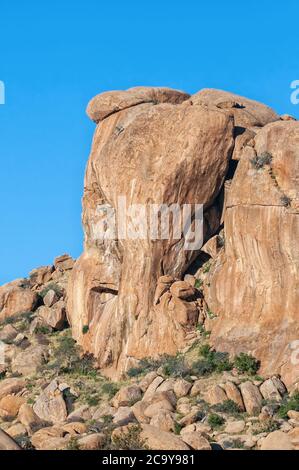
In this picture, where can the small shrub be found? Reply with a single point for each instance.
(215, 421)
(228, 406)
(269, 426)
(206, 267)
(177, 428)
(237, 444)
(129, 440)
(85, 329)
(285, 201)
(260, 161)
(175, 366)
(203, 331)
(288, 404)
(198, 283)
(246, 364)
(73, 444)
(213, 361)
(52, 286)
(110, 389)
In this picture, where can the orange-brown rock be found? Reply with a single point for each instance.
(254, 283)
(160, 150)
(16, 298)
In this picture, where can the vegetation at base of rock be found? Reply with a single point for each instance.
(110, 389)
(19, 317)
(212, 361)
(73, 444)
(288, 404)
(260, 161)
(128, 440)
(246, 363)
(229, 407)
(52, 286)
(215, 421)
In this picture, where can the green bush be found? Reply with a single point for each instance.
(260, 161)
(110, 389)
(129, 440)
(85, 329)
(215, 421)
(246, 364)
(288, 404)
(213, 361)
(198, 283)
(52, 286)
(228, 406)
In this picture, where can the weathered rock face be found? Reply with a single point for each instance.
(254, 282)
(16, 298)
(126, 298)
(163, 150)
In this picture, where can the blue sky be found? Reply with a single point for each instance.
(56, 55)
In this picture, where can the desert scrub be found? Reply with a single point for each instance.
(73, 444)
(285, 201)
(68, 358)
(172, 366)
(128, 440)
(288, 404)
(246, 364)
(198, 284)
(85, 329)
(110, 389)
(211, 361)
(215, 421)
(229, 407)
(260, 161)
(52, 286)
(206, 267)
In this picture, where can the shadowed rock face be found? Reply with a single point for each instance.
(157, 146)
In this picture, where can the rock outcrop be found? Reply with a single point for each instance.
(253, 285)
(237, 157)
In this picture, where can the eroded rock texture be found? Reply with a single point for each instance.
(254, 283)
(125, 301)
(162, 150)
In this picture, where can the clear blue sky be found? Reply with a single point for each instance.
(56, 55)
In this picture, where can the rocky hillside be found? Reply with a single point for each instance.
(52, 396)
(140, 335)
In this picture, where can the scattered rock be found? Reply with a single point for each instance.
(252, 397)
(161, 440)
(277, 440)
(127, 396)
(196, 441)
(55, 317)
(30, 361)
(233, 393)
(216, 395)
(182, 388)
(234, 427)
(163, 420)
(11, 386)
(123, 416)
(10, 405)
(92, 441)
(269, 390)
(50, 405)
(8, 333)
(50, 298)
(7, 443)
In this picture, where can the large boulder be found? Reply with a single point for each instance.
(7, 443)
(16, 298)
(253, 286)
(160, 148)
